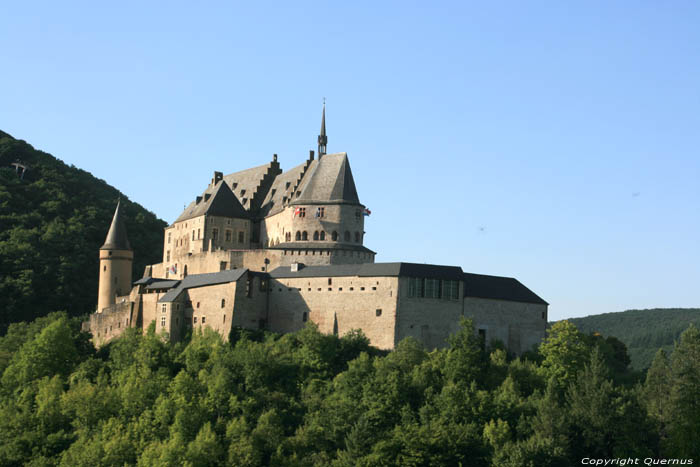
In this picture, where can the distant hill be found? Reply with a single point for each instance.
(644, 332)
(52, 222)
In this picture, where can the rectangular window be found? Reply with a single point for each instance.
(194, 320)
(305, 317)
(263, 285)
(169, 233)
(415, 287)
(249, 287)
(432, 288)
(193, 235)
(222, 266)
(167, 256)
(228, 235)
(215, 234)
(450, 290)
(163, 308)
(162, 321)
(302, 211)
(199, 233)
(321, 212)
(241, 237)
(204, 319)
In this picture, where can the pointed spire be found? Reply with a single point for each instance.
(322, 138)
(116, 237)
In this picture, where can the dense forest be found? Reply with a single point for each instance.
(644, 332)
(309, 399)
(53, 220)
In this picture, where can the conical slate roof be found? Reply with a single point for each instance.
(329, 181)
(116, 237)
(219, 201)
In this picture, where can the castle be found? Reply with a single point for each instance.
(271, 249)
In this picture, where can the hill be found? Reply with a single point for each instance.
(53, 220)
(644, 332)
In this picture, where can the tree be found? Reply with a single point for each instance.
(564, 353)
(684, 407)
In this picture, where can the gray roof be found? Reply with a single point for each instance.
(116, 237)
(156, 283)
(373, 270)
(498, 288)
(315, 245)
(475, 285)
(329, 180)
(162, 284)
(245, 183)
(279, 192)
(202, 280)
(217, 200)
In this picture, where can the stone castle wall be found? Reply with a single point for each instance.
(520, 326)
(345, 304)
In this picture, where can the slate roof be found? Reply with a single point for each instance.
(499, 288)
(329, 180)
(274, 200)
(476, 285)
(246, 182)
(202, 280)
(116, 237)
(315, 245)
(372, 270)
(217, 200)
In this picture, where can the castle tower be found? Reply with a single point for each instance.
(116, 259)
(322, 138)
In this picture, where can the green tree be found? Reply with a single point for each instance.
(684, 404)
(564, 352)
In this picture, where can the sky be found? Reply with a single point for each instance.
(554, 142)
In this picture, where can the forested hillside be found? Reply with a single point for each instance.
(308, 399)
(52, 222)
(644, 332)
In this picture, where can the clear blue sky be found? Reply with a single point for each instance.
(555, 142)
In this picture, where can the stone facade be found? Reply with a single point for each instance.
(271, 249)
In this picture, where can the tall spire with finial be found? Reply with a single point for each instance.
(322, 138)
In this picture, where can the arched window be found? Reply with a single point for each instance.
(334, 236)
(357, 237)
(323, 235)
(347, 236)
(316, 235)
(304, 235)
(298, 236)
(288, 237)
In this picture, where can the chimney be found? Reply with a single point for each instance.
(296, 267)
(274, 158)
(311, 155)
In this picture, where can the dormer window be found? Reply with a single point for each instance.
(244, 200)
(235, 185)
(273, 192)
(286, 186)
(242, 192)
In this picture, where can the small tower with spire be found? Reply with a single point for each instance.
(116, 258)
(322, 138)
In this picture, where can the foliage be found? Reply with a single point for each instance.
(306, 398)
(644, 332)
(50, 233)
